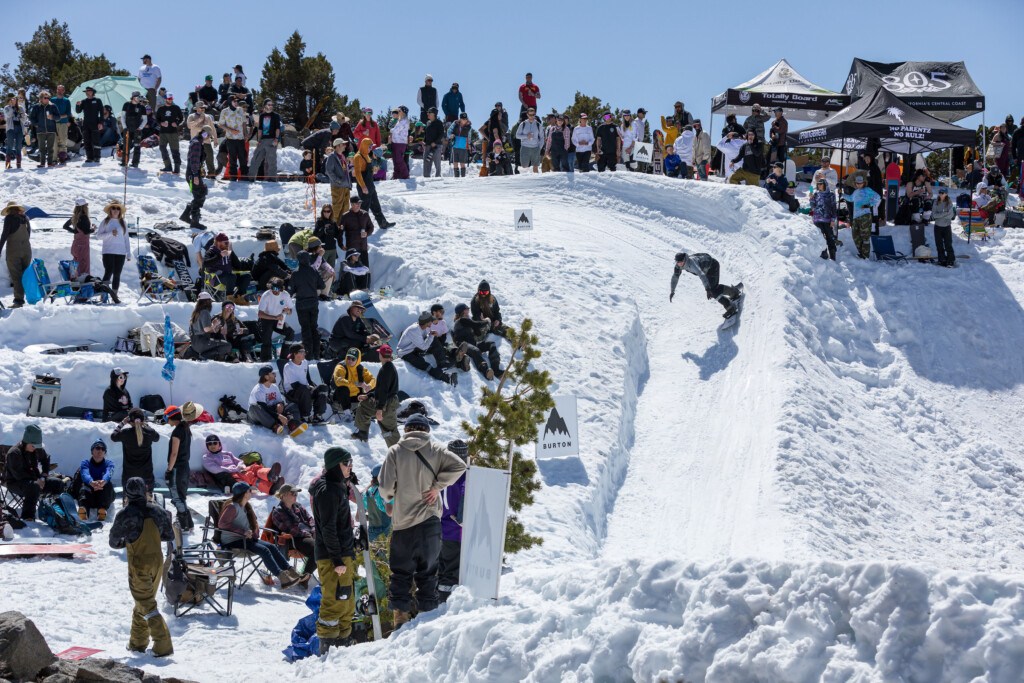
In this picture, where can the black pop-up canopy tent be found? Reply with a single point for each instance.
(897, 126)
(780, 86)
(943, 89)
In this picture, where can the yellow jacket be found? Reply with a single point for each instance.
(360, 161)
(349, 376)
(671, 131)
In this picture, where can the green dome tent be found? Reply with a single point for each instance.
(111, 90)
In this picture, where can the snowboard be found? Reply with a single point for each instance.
(917, 237)
(184, 278)
(730, 322)
(50, 550)
(80, 412)
(61, 349)
(372, 315)
(371, 583)
(790, 170)
(892, 191)
(77, 652)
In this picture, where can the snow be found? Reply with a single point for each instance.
(829, 491)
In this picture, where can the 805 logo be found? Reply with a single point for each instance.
(916, 82)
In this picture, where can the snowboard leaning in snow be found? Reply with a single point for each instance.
(732, 320)
(51, 549)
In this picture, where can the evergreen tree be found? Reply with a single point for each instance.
(50, 58)
(592, 106)
(513, 412)
(302, 87)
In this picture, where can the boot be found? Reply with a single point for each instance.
(185, 521)
(275, 472)
(19, 159)
(288, 578)
(8, 162)
(400, 617)
(360, 435)
(62, 158)
(186, 215)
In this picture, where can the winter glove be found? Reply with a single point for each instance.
(670, 295)
(169, 478)
(363, 542)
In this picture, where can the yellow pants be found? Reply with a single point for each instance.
(336, 613)
(145, 565)
(339, 202)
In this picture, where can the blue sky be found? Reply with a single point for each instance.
(630, 54)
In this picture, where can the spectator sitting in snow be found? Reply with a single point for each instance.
(351, 331)
(226, 469)
(353, 382)
(354, 275)
(97, 490)
(269, 264)
(116, 399)
(413, 345)
(267, 407)
(485, 307)
(310, 398)
(221, 260)
(778, 187)
(28, 471)
(228, 327)
(672, 164)
(473, 334)
(201, 330)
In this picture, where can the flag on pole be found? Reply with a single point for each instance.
(168, 370)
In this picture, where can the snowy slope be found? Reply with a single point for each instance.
(830, 491)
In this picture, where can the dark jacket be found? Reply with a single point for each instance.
(170, 113)
(779, 130)
(451, 510)
(434, 132)
(428, 96)
(42, 122)
(326, 230)
(452, 103)
(334, 539)
(269, 264)
(387, 385)
(13, 222)
(480, 309)
(294, 521)
(214, 262)
(136, 457)
(208, 94)
(1017, 144)
(127, 526)
(307, 283)
(470, 331)
(317, 141)
(352, 225)
(696, 264)
(348, 333)
(83, 226)
(733, 128)
(752, 156)
(195, 159)
(23, 466)
(91, 109)
(115, 400)
(755, 122)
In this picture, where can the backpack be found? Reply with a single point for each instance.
(152, 403)
(60, 513)
(230, 411)
(251, 458)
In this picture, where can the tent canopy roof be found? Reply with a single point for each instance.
(943, 89)
(781, 86)
(898, 127)
(112, 90)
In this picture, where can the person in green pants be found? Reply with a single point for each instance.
(334, 550)
(140, 526)
(15, 236)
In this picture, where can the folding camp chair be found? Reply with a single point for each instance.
(7, 496)
(91, 291)
(153, 286)
(272, 534)
(885, 251)
(213, 286)
(251, 564)
(197, 575)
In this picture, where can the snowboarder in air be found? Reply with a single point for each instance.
(706, 268)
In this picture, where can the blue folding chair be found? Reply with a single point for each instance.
(885, 250)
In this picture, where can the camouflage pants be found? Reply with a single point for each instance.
(861, 226)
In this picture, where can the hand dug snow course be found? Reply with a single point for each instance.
(745, 503)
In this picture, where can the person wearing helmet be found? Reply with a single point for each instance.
(433, 144)
(707, 269)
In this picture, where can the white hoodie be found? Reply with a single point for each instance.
(114, 244)
(628, 134)
(684, 146)
(400, 133)
(583, 138)
(729, 149)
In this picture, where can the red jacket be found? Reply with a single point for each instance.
(368, 130)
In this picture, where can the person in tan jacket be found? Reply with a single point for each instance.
(414, 473)
(195, 122)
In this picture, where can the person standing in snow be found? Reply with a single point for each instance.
(583, 140)
(133, 120)
(460, 134)
(268, 135)
(169, 119)
(334, 550)
(433, 144)
(701, 149)
(413, 474)
(452, 104)
(398, 136)
(755, 123)
(707, 269)
(336, 169)
(362, 169)
(195, 122)
(384, 402)
(136, 439)
(779, 131)
(529, 93)
(865, 203)
(44, 118)
(17, 122)
(943, 213)
(80, 225)
(531, 139)
(823, 214)
(426, 97)
(368, 128)
(150, 77)
(178, 453)
(748, 161)
(557, 144)
(609, 144)
(684, 148)
(451, 527)
(15, 236)
(117, 247)
(140, 526)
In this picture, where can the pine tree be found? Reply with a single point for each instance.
(512, 413)
(592, 106)
(50, 59)
(302, 87)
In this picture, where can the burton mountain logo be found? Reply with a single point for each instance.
(555, 424)
(523, 219)
(642, 152)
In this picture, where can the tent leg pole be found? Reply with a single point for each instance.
(984, 141)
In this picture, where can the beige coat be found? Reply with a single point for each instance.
(195, 123)
(404, 479)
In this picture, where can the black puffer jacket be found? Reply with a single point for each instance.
(116, 400)
(23, 466)
(137, 457)
(127, 526)
(307, 284)
(332, 518)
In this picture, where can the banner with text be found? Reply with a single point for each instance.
(559, 434)
(485, 508)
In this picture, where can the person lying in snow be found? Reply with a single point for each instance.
(706, 268)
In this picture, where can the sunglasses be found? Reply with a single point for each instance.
(484, 292)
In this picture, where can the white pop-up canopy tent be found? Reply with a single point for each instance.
(780, 86)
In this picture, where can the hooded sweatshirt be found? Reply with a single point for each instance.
(307, 283)
(361, 165)
(116, 400)
(403, 478)
(350, 377)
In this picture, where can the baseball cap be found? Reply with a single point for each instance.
(287, 488)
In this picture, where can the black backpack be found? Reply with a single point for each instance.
(230, 411)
